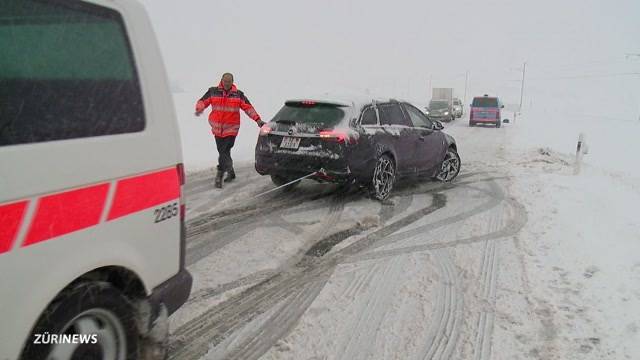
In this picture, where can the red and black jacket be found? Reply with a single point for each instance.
(225, 109)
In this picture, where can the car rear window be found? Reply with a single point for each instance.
(66, 72)
(485, 102)
(311, 113)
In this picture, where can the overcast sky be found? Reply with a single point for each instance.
(575, 50)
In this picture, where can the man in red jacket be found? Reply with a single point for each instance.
(226, 101)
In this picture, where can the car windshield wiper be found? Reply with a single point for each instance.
(284, 121)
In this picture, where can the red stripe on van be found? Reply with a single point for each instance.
(66, 212)
(142, 192)
(11, 216)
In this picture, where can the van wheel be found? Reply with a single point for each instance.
(279, 180)
(450, 166)
(498, 124)
(100, 316)
(384, 176)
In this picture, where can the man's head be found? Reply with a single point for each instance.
(227, 81)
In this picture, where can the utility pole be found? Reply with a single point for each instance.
(524, 68)
(466, 80)
(430, 88)
(629, 56)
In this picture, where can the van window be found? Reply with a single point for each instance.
(485, 102)
(66, 71)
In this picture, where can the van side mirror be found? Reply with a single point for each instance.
(501, 106)
(506, 121)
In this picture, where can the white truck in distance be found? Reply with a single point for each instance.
(441, 105)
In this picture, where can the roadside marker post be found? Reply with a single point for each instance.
(581, 150)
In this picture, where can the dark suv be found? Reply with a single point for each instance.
(369, 142)
(485, 110)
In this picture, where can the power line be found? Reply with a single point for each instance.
(586, 76)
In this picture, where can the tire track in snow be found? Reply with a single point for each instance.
(256, 340)
(335, 209)
(444, 333)
(209, 233)
(363, 331)
(220, 321)
(224, 319)
(489, 274)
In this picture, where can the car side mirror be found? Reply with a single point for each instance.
(506, 121)
(437, 125)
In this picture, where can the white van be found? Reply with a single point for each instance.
(91, 211)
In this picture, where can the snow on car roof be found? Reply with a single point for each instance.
(356, 101)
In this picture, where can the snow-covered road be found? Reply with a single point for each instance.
(441, 271)
(323, 271)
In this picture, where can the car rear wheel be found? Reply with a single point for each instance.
(384, 176)
(280, 180)
(450, 166)
(89, 321)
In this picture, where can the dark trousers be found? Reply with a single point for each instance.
(224, 145)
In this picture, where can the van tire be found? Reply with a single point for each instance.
(94, 305)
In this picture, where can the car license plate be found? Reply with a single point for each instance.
(290, 143)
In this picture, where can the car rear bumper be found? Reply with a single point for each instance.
(293, 166)
(488, 121)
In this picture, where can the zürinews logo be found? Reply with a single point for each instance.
(47, 339)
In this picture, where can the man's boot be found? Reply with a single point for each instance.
(230, 175)
(219, 176)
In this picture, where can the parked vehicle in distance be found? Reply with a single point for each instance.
(441, 110)
(485, 110)
(370, 142)
(92, 240)
(458, 108)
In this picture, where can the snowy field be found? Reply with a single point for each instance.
(519, 259)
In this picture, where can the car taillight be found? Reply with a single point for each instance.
(265, 130)
(181, 181)
(181, 177)
(337, 136)
(182, 209)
